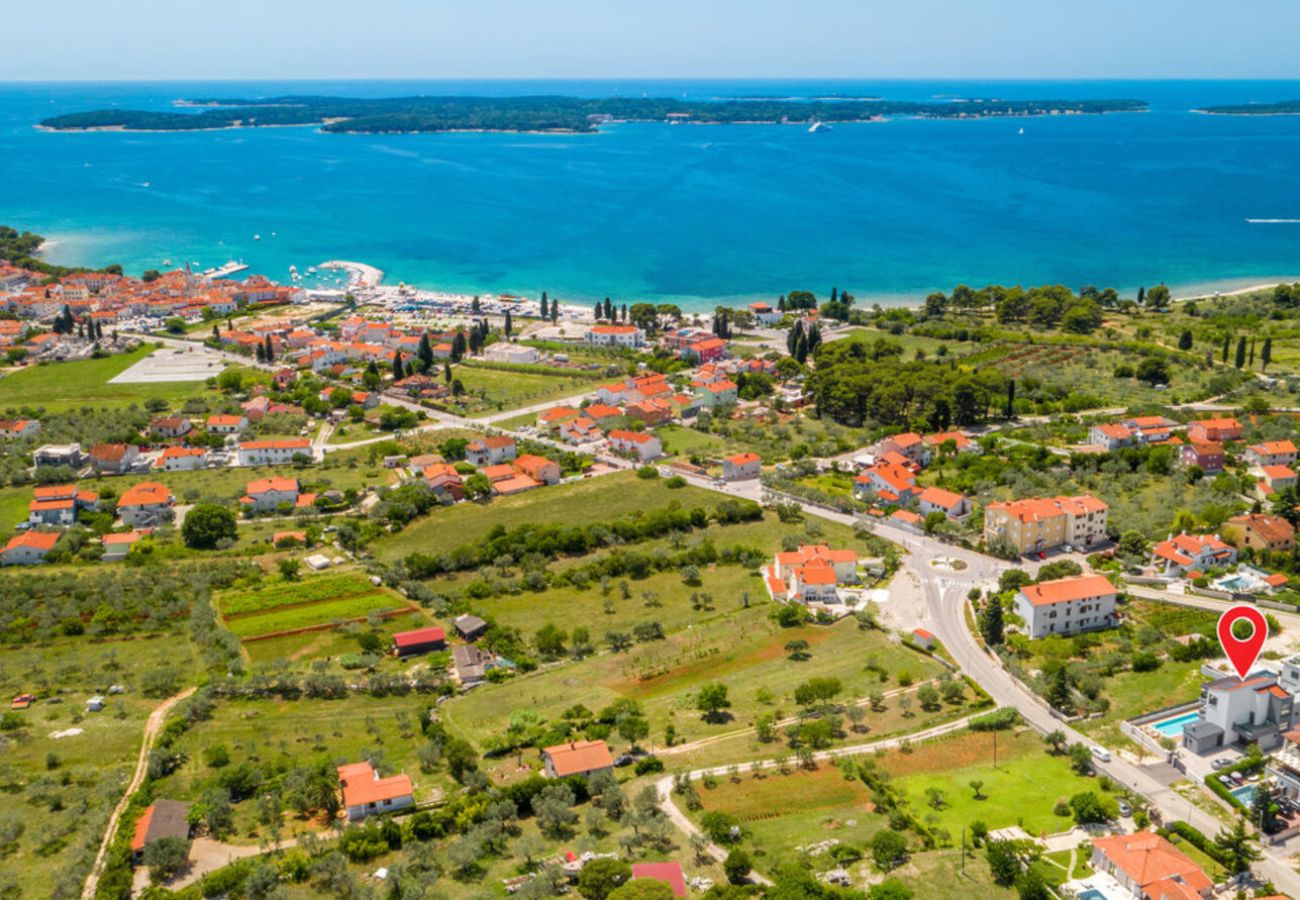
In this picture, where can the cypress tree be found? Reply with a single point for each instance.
(609, 310)
(446, 372)
(814, 338)
(598, 309)
(792, 336)
(508, 327)
(544, 310)
(780, 303)
(1252, 351)
(1240, 359)
(801, 348)
(1185, 340)
(555, 312)
(270, 350)
(1142, 296)
(623, 313)
(1226, 339)
(1266, 354)
(835, 295)
(261, 353)
(425, 353)
(399, 371)
(216, 334)
(1011, 398)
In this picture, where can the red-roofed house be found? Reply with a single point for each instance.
(181, 459)
(1208, 456)
(113, 459)
(1274, 478)
(764, 313)
(267, 494)
(576, 758)
(741, 466)
(909, 444)
(1271, 453)
(119, 543)
(419, 640)
(1214, 430)
(555, 415)
(145, 504)
(273, 452)
(615, 336)
(888, 482)
(538, 468)
(950, 503)
(491, 450)
(223, 424)
(1149, 866)
(1038, 524)
(513, 484)
(641, 444)
(1110, 435)
(1184, 553)
(58, 505)
(580, 430)
(29, 548)
(161, 819)
(12, 429)
(707, 350)
(1067, 606)
(366, 794)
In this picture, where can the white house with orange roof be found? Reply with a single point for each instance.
(585, 758)
(147, 503)
(909, 444)
(887, 482)
(580, 430)
(1150, 429)
(366, 794)
(1273, 479)
(538, 468)
(58, 505)
(960, 442)
(1271, 453)
(641, 444)
(765, 313)
(491, 450)
(118, 544)
(1037, 524)
(950, 503)
(227, 424)
(741, 466)
(811, 574)
(1185, 553)
(717, 393)
(1146, 865)
(1110, 435)
(273, 452)
(29, 548)
(181, 459)
(1067, 605)
(552, 417)
(615, 336)
(267, 494)
(15, 429)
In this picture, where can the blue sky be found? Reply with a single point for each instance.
(203, 39)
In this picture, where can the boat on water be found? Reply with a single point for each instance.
(1022, 131)
(257, 237)
(818, 127)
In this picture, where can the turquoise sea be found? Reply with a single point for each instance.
(692, 214)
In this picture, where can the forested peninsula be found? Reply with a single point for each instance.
(545, 114)
(1279, 108)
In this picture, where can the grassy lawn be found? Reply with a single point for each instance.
(71, 385)
(311, 646)
(492, 390)
(909, 342)
(681, 440)
(1021, 790)
(940, 875)
(63, 808)
(319, 613)
(1132, 693)
(311, 589)
(593, 500)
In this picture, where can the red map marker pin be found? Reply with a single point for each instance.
(1243, 652)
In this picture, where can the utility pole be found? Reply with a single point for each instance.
(963, 849)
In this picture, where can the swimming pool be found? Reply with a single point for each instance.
(1173, 728)
(1245, 793)
(1091, 894)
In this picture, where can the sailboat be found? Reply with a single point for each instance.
(817, 127)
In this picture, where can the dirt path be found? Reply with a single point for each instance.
(152, 726)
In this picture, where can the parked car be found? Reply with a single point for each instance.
(623, 760)
(1101, 753)
(1125, 809)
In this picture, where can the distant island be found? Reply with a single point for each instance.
(1280, 108)
(545, 113)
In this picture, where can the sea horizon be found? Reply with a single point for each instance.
(697, 216)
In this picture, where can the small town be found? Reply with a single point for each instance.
(372, 591)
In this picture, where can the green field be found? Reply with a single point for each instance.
(286, 619)
(71, 385)
(492, 390)
(742, 649)
(58, 840)
(592, 500)
(681, 440)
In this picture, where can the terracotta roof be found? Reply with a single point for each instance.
(262, 485)
(1148, 860)
(741, 459)
(579, 756)
(282, 444)
(670, 873)
(37, 540)
(1273, 448)
(418, 636)
(146, 493)
(361, 787)
(940, 497)
(1066, 589)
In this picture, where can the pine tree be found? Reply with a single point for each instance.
(990, 622)
(1058, 695)
(1240, 359)
(1185, 340)
(1266, 354)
